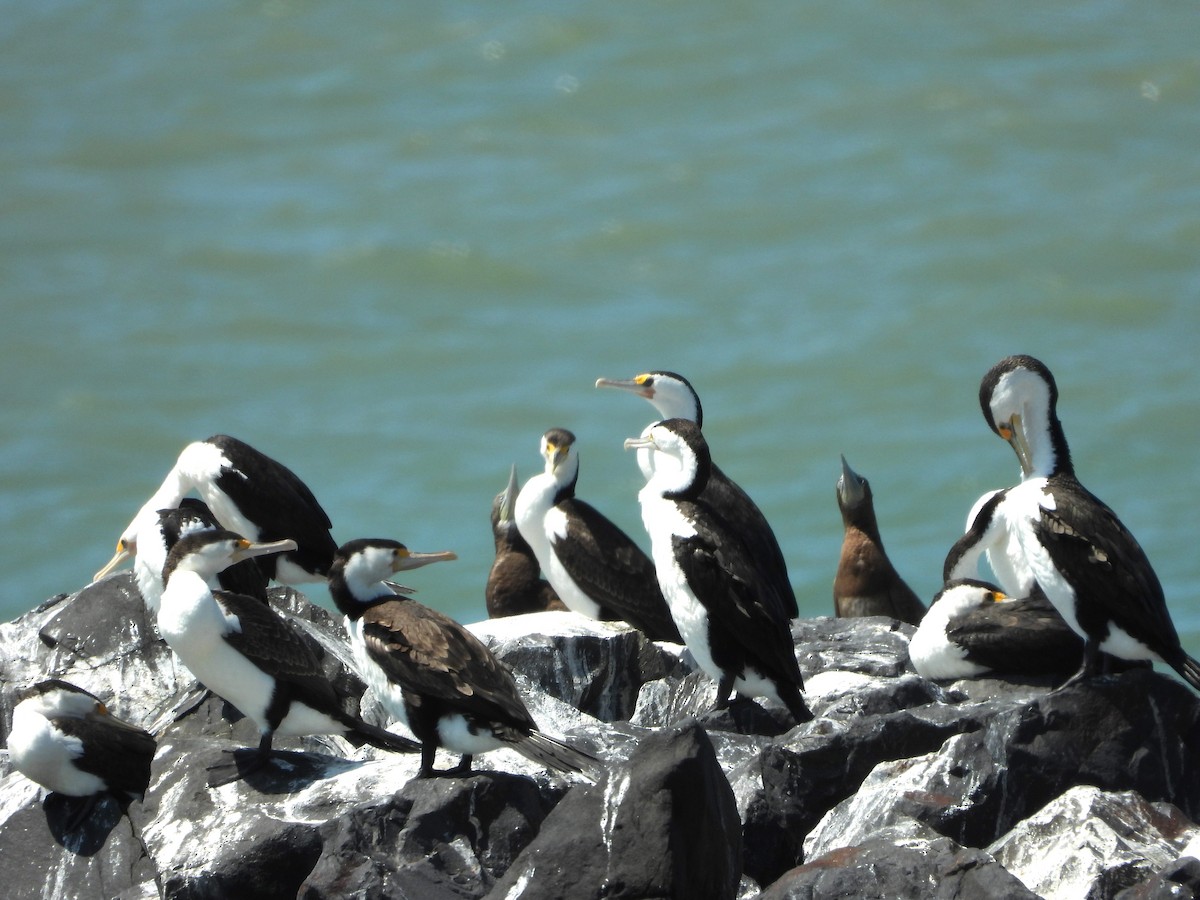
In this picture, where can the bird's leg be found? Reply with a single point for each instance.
(428, 752)
(724, 690)
(1089, 668)
(463, 767)
(227, 773)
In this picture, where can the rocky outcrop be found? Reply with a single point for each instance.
(898, 787)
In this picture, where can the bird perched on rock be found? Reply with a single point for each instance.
(972, 628)
(595, 568)
(726, 611)
(673, 397)
(1082, 556)
(243, 651)
(65, 739)
(515, 584)
(431, 672)
(249, 493)
(867, 584)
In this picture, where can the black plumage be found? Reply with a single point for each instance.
(193, 514)
(1024, 636)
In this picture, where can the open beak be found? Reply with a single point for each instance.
(410, 559)
(125, 552)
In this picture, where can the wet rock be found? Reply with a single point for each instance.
(1092, 843)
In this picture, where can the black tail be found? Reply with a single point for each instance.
(553, 753)
(360, 732)
(1189, 670)
(790, 695)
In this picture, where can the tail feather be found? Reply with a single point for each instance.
(360, 732)
(1189, 670)
(555, 754)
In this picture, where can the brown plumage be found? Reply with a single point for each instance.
(515, 584)
(867, 584)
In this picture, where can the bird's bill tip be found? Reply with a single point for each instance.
(636, 385)
(123, 554)
(634, 443)
(248, 549)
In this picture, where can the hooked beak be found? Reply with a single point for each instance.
(249, 550)
(635, 443)
(410, 559)
(1013, 432)
(126, 550)
(633, 385)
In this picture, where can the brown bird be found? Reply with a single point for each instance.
(867, 584)
(515, 584)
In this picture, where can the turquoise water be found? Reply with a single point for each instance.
(390, 244)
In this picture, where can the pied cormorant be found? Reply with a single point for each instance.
(431, 672)
(246, 653)
(595, 568)
(1081, 555)
(728, 614)
(673, 397)
(251, 494)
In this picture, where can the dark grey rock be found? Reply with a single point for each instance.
(662, 824)
(904, 861)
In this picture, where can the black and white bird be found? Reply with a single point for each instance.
(972, 628)
(1081, 555)
(429, 671)
(65, 739)
(990, 535)
(163, 531)
(246, 653)
(595, 568)
(866, 583)
(515, 584)
(249, 493)
(726, 611)
(675, 398)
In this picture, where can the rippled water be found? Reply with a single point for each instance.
(390, 244)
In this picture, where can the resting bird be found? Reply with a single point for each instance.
(249, 493)
(515, 584)
(673, 397)
(972, 629)
(246, 653)
(726, 611)
(1081, 555)
(595, 568)
(430, 672)
(867, 584)
(66, 740)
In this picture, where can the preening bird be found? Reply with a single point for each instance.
(728, 614)
(595, 568)
(867, 584)
(429, 671)
(249, 493)
(673, 397)
(1082, 556)
(972, 629)
(515, 584)
(65, 739)
(246, 653)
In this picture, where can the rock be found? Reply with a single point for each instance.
(932, 787)
(1091, 843)
(906, 860)
(662, 824)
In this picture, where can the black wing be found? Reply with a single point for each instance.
(1106, 566)
(431, 655)
(743, 611)
(614, 571)
(273, 645)
(1025, 636)
(113, 750)
(728, 500)
(271, 495)
(971, 538)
